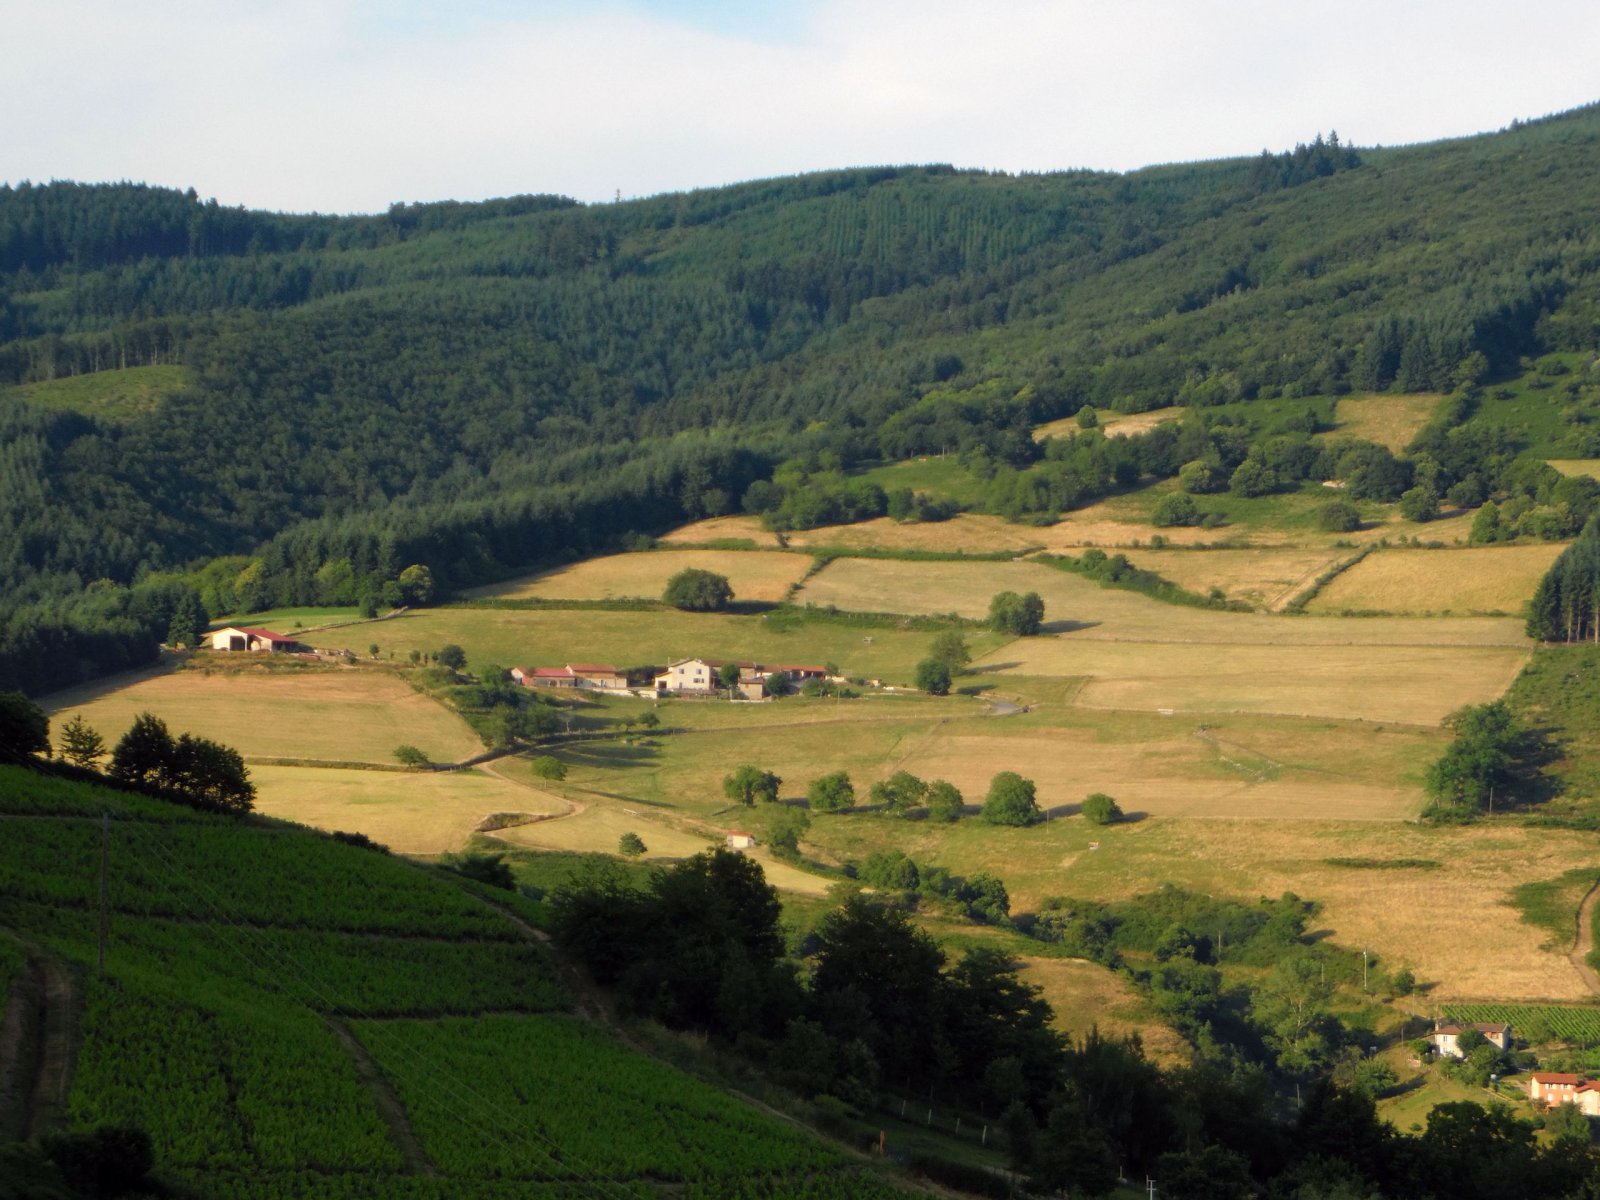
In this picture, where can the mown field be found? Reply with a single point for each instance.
(754, 576)
(344, 715)
(411, 812)
(1390, 420)
(259, 980)
(1482, 579)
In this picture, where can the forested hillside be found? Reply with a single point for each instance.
(480, 387)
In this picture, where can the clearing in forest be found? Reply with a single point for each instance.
(1480, 579)
(411, 812)
(1114, 423)
(1087, 996)
(724, 529)
(1390, 420)
(349, 714)
(754, 575)
(1577, 466)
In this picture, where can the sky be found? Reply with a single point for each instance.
(351, 105)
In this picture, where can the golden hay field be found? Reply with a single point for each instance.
(968, 533)
(1430, 920)
(1095, 613)
(412, 812)
(338, 715)
(1392, 421)
(1114, 423)
(714, 529)
(1088, 996)
(754, 574)
(1476, 579)
(1409, 684)
(1577, 466)
(1262, 576)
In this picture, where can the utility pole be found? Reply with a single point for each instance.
(105, 868)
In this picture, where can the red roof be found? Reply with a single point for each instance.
(592, 669)
(267, 634)
(1551, 1077)
(551, 673)
(739, 833)
(811, 670)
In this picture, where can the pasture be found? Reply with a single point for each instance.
(754, 575)
(334, 715)
(1479, 579)
(1433, 921)
(1265, 577)
(526, 637)
(1087, 996)
(1114, 423)
(723, 529)
(1577, 466)
(1390, 420)
(411, 812)
(119, 395)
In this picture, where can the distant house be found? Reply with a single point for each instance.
(739, 841)
(545, 677)
(599, 676)
(1552, 1088)
(1445, 1038)
(688, 677)
(802, 674)
(250, 640)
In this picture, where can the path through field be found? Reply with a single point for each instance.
(391, 1110)
(55, 990)
(1578, 956)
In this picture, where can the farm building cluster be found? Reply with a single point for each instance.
(681, 677)
(1446, 1039)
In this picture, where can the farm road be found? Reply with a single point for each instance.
(1578, 956)
(42, 1017)
(391, 1110)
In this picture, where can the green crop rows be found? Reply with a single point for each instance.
(1563, 1024)
(564, 1100)
(244, 961)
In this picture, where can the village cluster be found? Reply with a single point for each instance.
(1548, 1088)
(682, 677)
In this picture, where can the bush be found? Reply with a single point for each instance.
(1100, 809)
(410, 756)
(631, 844)
(24, 728)
(1011, 801)
(1340, 516)
(696, 590)
(831, 793)
(452, 656)
(491, 869)
(933, 677)
(1175, 508)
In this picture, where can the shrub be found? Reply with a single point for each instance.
(1175, 508)
(1339, 516)
(1020, 616)
(933, 677)
(630, 844)
(1011, 801)
(696, 590)
(1100, 809)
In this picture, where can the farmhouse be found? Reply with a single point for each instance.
(599, 676)
(739, 841)
(545, 677)
(1552, 1088)
(1446, 1038)
(689, 677)
(250, 640)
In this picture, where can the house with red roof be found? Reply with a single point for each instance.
(600, 676)
(1555, 1088)
(545, 677)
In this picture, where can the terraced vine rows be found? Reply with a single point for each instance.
(231, 948)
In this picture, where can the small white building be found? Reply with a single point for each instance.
(598, 676)
(739, 841)
(688, 676)
(234, 639)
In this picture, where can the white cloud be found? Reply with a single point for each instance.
(316, 104)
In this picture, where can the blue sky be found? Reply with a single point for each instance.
(349, 105)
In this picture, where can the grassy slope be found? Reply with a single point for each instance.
(116, 396)
(233, 949)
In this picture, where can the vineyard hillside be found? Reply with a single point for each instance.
(289, 1015)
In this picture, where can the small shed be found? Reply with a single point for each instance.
(739, 841)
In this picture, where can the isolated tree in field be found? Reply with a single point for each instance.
(831, 793)
(410, 756)
(785, 828)
(1100, 809)
(1339, 516)
(900, 793)
(950, 648)
(945, 802)
(749, 783)
(1011, 801)
(649, 721)
(452, 656)
(142, 754)
(1019, 616)
(81, 745)
(547, 766)
(697, 590)
(1464, 778)
(24, 728)
(1175, 508)
(631, 844)
(933, 677)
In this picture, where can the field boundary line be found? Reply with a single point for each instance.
(391, 1109)
(58, 997)
(1578, 956)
